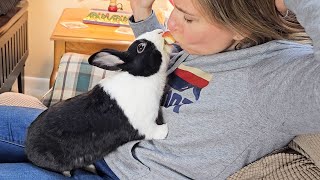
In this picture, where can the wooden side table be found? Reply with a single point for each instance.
(85, 41)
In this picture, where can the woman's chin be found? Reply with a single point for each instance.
(188, 50)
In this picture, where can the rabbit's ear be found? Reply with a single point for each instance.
(107, 59)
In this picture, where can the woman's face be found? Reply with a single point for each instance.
(195, 34)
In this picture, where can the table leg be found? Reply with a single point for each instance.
(59, 50)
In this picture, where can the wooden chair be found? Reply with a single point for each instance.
(14, 48)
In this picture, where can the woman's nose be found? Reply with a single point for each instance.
(172, 24)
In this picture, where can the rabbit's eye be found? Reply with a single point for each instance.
(141, 47)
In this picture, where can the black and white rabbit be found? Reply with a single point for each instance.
(76, 132)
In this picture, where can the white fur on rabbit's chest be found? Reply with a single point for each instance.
(138, 97)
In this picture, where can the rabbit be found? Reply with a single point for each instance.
(123, 107)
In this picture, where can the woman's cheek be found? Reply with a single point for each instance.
(192, 38)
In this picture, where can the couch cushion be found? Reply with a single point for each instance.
(279, 166)
(75, 76)
(308, 145)
(301, 162)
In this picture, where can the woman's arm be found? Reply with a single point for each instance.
(300, 101)
(141, 9)
(148, 24)
(143, 19)
(308, 14)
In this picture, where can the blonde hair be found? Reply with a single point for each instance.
(257, 20)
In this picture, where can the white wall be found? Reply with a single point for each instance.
(43, 16)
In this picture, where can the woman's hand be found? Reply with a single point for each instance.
(281, 7)
(141, 9)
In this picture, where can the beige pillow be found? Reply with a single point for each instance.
(20, 100)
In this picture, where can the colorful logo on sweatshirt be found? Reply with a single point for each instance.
(184, 87)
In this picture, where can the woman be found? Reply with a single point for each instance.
(244, 85)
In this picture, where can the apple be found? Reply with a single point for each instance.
(168, 37)
(113, 8)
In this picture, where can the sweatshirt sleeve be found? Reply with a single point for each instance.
(149, 24)
(308, 14)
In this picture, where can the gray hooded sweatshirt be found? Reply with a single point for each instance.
(229, 109)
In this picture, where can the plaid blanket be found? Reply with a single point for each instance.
(76, 76)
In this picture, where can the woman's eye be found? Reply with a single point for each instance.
(188, 20)
(141, 47)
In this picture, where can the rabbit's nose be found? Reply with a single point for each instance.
(159, 31)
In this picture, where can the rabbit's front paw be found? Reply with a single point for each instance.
(66, 173)
(161, 132)
(91, 168)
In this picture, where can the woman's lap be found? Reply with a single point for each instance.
(26, 171)
(14, 122)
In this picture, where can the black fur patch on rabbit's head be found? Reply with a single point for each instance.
(145, 56)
